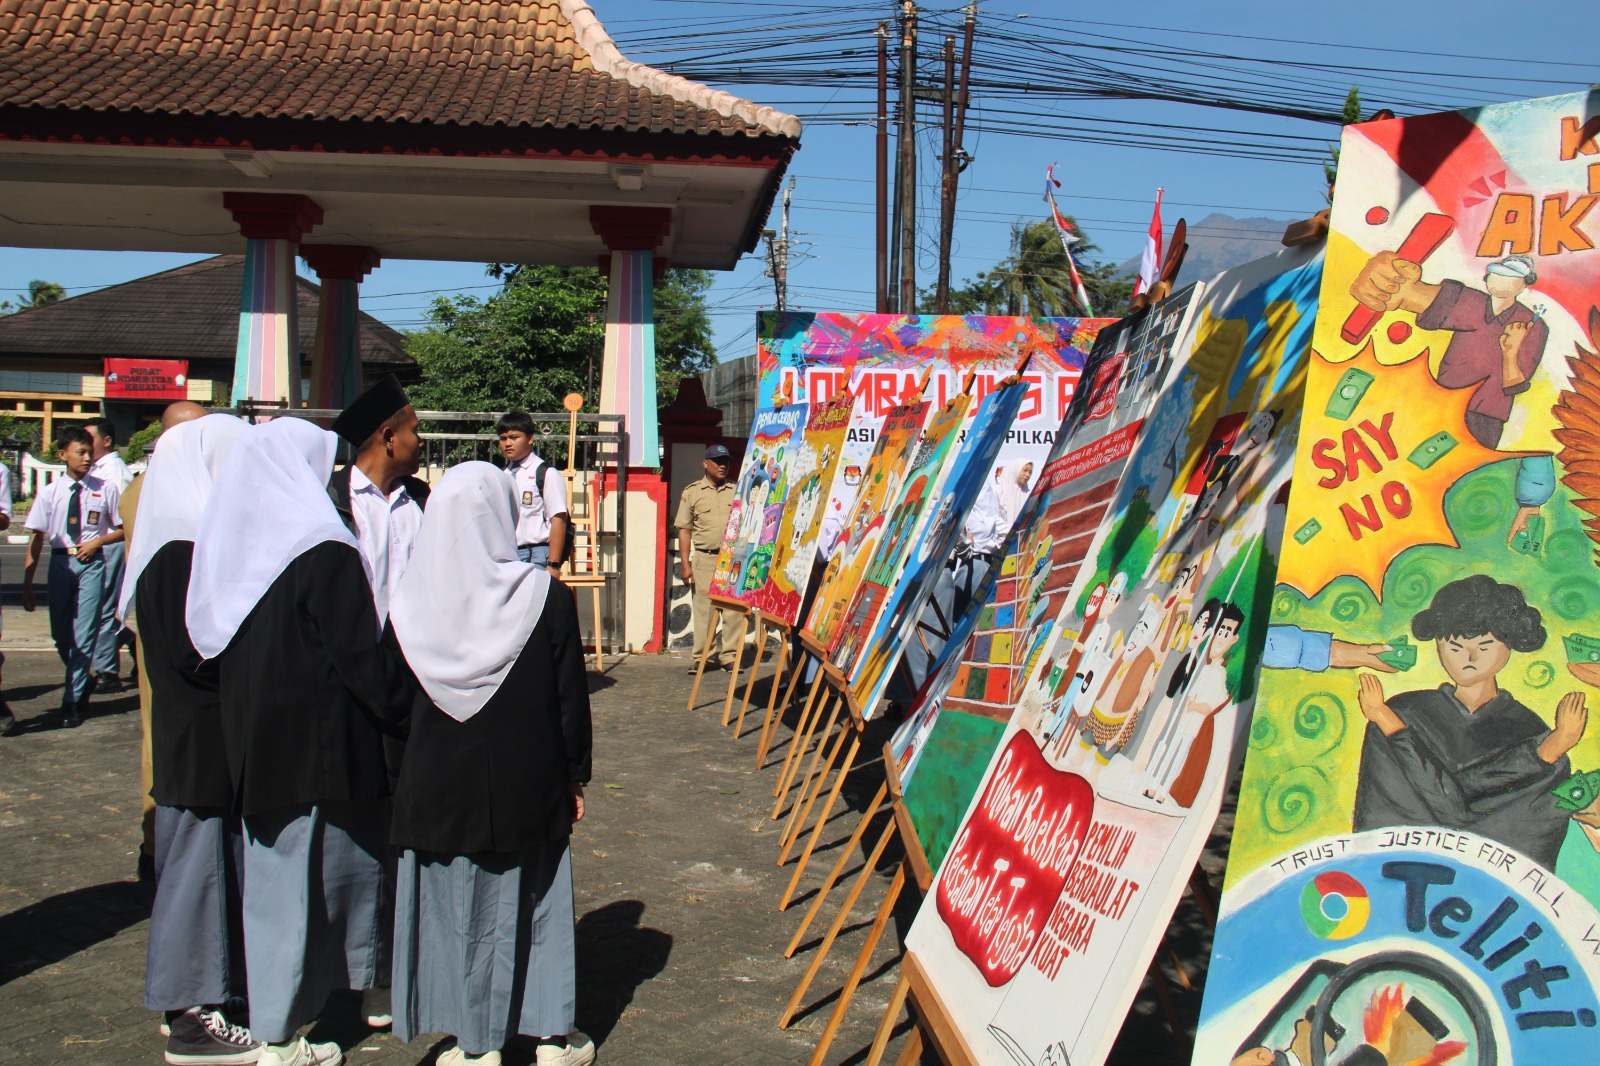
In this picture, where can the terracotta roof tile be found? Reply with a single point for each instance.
(516, 63)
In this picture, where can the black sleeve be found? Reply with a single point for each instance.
(572, 681)
(339, 606)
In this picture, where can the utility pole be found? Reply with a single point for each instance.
(947, 178)
(908, 159)
(882, 139)
(778, 252)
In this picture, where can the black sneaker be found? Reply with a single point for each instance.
(109, 683)
(72, 714)
(9, 726)
(205, 1036)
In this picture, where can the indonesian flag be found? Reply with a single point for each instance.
(1067, 234)
(1150, 264)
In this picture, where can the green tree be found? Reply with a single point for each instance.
(542, 336)
(1350, 113)
(1035, 279)
(39, 294)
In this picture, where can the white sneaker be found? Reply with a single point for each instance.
(578, 1052)
(301, 1053)
(456, 1057)
(375, 1007)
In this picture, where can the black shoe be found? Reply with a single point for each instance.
(202, 1036)
(9, 726)
(146, 868)
(109, 683)
(72, 714)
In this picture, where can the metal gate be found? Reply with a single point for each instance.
(599, 448)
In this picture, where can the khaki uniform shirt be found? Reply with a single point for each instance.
(703, 511)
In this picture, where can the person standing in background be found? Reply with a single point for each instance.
(113, 635)
(8, 721)
(541, 489)
(702, 520)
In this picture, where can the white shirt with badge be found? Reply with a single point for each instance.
(111, 469)
(97, 510)
(386, 531)
(537, 504)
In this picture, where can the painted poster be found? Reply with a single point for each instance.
(1415, 867)
(955, 723)
(813, 355)
(902, 427)
(795, 549)
(932, 542)
(1063, 876)
(878, 558)
(758, 501)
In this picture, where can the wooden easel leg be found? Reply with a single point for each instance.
(733, 687)
(838, 923)
(912, 1051)
(845, 855)
(779, 667)
(863, 960)
(599, 658)
(880, 1041)
(822, 736)
(1177, 965)
(802, 732)
(1200, 886)
(755, 670)
(700, 672)
(822, 819)
(1174, 1026)
(806, 798)
(774, 711)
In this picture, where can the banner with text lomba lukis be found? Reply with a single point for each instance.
(1062, 878)
(813, 355)
(879, 555)
(783, 585)
(1415, 865)
(957, 718)
(878, 485)
(760, 495)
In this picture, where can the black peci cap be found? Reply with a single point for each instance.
(381, 402)
(717, 452)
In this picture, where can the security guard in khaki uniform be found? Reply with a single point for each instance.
(702, 520)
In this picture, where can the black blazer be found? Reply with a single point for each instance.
(309, 690)
(500, 781)
(187, 754)
(339, 493)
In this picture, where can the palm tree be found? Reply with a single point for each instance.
(39, 294)
(1035, 279)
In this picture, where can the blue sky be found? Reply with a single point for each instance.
(1415, 57)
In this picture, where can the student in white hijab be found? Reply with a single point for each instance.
(490, 785)
(195, 962)
(280, 598)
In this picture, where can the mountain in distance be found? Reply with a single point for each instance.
(1219, 242)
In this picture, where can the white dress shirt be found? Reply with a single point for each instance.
(537, 504)
(386, 529)
(97, 510)
(110, 468)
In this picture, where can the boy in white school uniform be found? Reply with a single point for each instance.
(107, 465)
(77, 514)
(541, 491)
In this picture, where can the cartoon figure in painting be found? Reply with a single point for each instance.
(1130, 679)
(1178, 761)
(1497, 341)
(1469, 755)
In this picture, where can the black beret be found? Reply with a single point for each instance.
(381, 402)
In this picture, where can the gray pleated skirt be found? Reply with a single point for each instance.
(314, 909)
(196, 955)
(484, 946)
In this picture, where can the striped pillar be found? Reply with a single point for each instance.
(266, 365)
(336, 350)
(628, 374)
(628, 369)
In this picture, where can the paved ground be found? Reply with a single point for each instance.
(679, 943)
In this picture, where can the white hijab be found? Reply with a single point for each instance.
(466, 604)
(1010, 496)
(269, 506)
(174, 490)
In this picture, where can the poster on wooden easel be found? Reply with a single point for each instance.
(1414, 872)
(1062, 876)
(760, 495)
(795, 548)
(957, 718)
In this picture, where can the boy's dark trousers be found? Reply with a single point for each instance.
(76, 591)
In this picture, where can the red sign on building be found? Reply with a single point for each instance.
(147, 379)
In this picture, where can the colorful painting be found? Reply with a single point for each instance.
(1064, 873)
(879, 561)
(760, 495)
(795, 548)
(956, 720)
(878, 485)
(1415, 867)
(813, 356)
